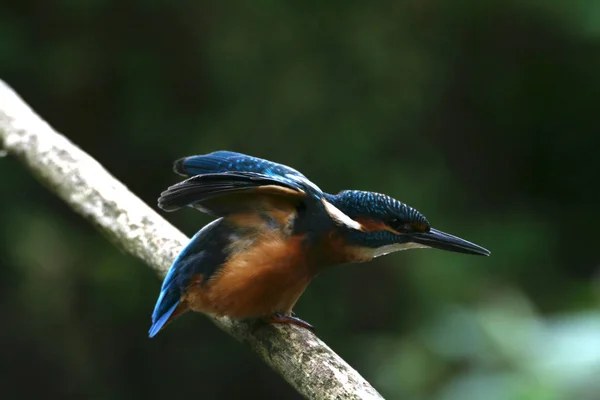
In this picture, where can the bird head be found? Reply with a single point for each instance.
(379, 225)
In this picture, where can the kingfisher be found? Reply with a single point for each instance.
(274, 231)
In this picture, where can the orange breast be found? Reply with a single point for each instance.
(268, 276)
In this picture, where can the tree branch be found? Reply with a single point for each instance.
(307, 363)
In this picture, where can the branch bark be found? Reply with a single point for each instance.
(301, 358)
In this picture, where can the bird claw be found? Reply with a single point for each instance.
(279, 318)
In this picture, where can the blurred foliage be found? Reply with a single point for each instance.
(483, 115)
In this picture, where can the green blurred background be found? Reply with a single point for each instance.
(485, 116)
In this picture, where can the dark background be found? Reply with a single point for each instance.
(482, 115)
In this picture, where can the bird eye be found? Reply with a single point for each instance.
(403, 226)
(420, 227)
(398, 225)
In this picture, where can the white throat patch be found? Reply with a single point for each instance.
(338, 216)
(391, 248)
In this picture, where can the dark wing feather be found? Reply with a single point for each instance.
(231, 192)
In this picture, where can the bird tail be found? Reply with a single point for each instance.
(165, 319)
(200, 257)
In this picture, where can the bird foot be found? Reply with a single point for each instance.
(278, 318)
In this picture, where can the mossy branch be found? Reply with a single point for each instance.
(307, 363)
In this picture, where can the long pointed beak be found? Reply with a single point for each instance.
(444, 241)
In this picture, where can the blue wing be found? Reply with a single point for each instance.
(203, 256)
(225, 182)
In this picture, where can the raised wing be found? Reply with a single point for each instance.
(224, 183)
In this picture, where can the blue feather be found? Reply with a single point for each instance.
(203, 255)
(229, 161)
(168, 300)
(157, 326)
